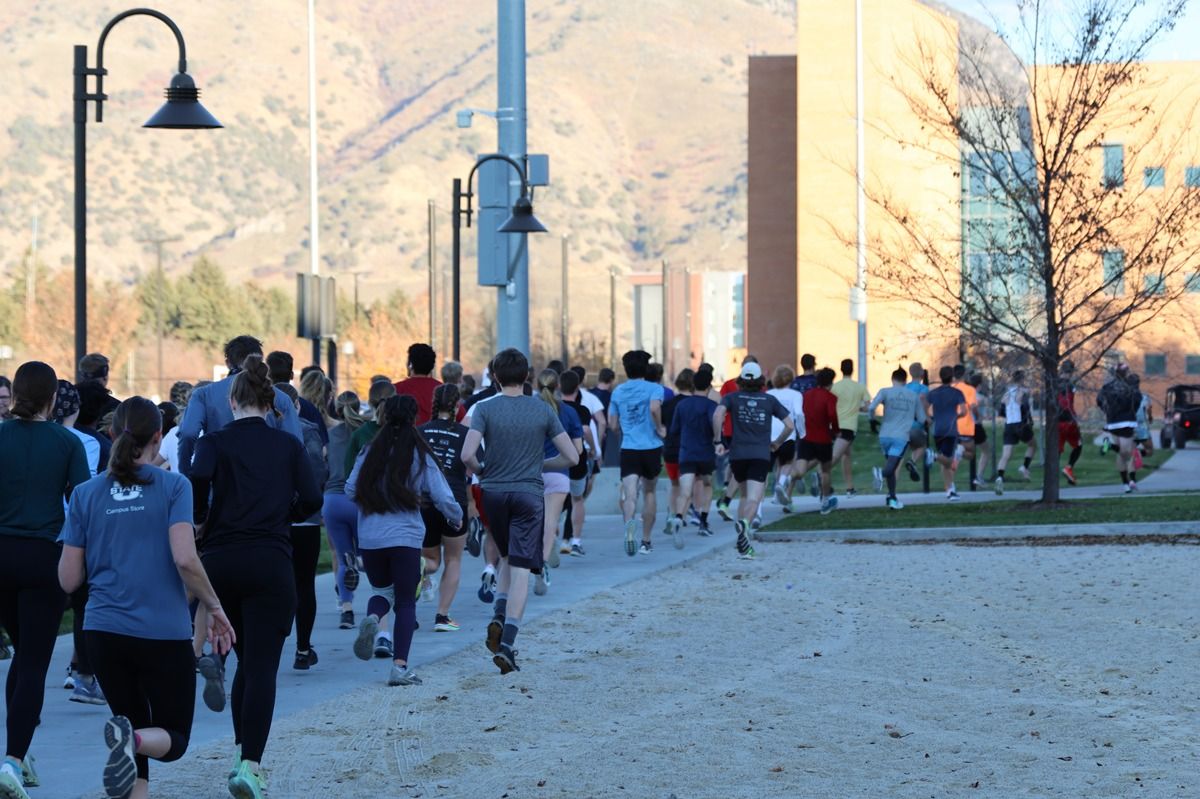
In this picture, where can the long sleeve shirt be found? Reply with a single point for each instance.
(405, 528)
(261, 483)
(208, 411)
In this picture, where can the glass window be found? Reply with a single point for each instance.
(1155, 284)
(1154, 177)
(1192, 283)
(977, 176)
(1193, 365)
(1191, 177)
(1114, 271)
(1156, 365)
(1114, 166)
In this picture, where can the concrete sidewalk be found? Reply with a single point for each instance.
(68, 746)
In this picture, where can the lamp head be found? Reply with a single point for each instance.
(463, 118)
(183, 110)
(522, 219)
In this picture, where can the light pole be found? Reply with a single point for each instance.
(521, 220)
(182, 111)
(158, 242)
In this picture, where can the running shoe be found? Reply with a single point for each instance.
(1130, 487)
(10, 782)
(850, 492)
(245, 783)
(495, 630)
(475, 536)
(742, 543)
(368, 631)
(577, 551)
(693, 515)
(1138, 463)
(749, 554)
(756, 523)
(346, 622)
(913, 474)
(304, 662)
(630, 541)
(877, 479)
(894, 504)
(952, 495)
(487, 588)
(1024, 470)
(350, 578)
(565, 547)
(506, 659)
(959, 451)
(677, 533)
(829, 506)
(723, 509)
(930, 457)
(781, 495)
(423, 579)
(1069, 473)
(554, 561)
(814, 484)
(540, 584)
(402, 675)
(999, 486)
(646, 548)
(69, 682)
(384, 648)
(704, 530)
(29, 775)
(87, 691)
(121, 771)
(445, 624)
(213, 671)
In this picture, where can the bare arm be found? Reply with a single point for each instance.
(788, 427)
(656, 415)
(718, 423)
(71, 569)
(191, 571)
(567, 456)
(614, 420)
(470, 450)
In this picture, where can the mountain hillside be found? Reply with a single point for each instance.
(641, 106)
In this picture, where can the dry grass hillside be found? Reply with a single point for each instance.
(641, 106)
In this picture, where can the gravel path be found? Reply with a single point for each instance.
(820, 670)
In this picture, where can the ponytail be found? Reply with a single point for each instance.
(134, 424)
(348, 408)
(34, 387)
(445, 399)
(547, 385)
(252, 388)
(394, 459)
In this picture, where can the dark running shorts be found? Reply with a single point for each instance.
(755, 470)
(980, 434)
(811, 451)
(698, 468)
(1068, 435)
(517, 519)
(437, 528)
(846, 435)
(1122, 432)
(946, 445)
(786, 453)
(918, 438)
(1019, 433)
(645, 463)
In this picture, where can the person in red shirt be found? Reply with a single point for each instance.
(420, 383)
(820, 429)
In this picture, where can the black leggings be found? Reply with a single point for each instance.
(399, 568)
(258, 593)
(31, 606)
(80, 661)
(889, 473)
(151, 683)
(306, 551)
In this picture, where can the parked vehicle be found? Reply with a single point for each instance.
(1181, 416)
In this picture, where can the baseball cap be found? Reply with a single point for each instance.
(751, 371)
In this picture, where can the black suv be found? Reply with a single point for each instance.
(1181, 416)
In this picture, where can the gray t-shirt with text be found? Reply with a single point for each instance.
(751, 414)
(901, 409)
(514, 431)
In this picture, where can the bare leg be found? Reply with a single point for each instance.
(578, 516)
(702, 493)
(649, 506)
(451, 576)
(841, 452)
(629, 493)
(751, 499)
(687, 486)
(554, 507)
(514, 581)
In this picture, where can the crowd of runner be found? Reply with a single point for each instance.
(181, 531)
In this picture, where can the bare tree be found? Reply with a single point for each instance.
(1058, 256)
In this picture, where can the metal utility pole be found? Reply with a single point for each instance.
(612, 316)
(563, 333)
(687, 314)
(666, 303)
(158, 242)
(432, 257)
(858, 303)
(456, 270)
(512, 300)
(314, 222)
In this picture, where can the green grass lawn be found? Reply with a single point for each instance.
(1163, 508)
(1093, 467)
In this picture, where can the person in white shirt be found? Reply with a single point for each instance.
(785, 456)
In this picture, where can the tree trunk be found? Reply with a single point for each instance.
(1052, 477)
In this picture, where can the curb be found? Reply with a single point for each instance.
(941, 534)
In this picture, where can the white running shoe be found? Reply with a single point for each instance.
(877, 478)
(999, 486)
(1024, 472)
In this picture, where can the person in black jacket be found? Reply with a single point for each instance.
(1120, 400)
(261, 482)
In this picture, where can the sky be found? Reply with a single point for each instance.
(1180, 44)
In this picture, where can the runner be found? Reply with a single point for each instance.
(1120, 401)
(785, 456)
(582, 473)
(852, 398)
(389, 480)
(729, 483)
(420, 382)
(815, 450)
(41, 463)
(750, 450)
(966, 424)
(1143, 445)
(129, 534)
(514, 428)
(1068, 419)
(636, 412)
(901, 410)
(975, 381)
(281, 366)
(260, 482)
(443, 544)
(918, 438)
(683, 387)
(946, 406)
(807, 379)
(693, 423)
(556, 483)
(339, 512)
(1018, 428)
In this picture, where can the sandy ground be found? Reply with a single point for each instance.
(820, 670)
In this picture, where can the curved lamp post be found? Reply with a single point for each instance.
(521, 220)
(182, 111)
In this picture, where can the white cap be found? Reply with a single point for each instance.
(751, 371)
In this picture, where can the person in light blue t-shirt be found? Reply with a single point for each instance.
(129, 534)
(635, 410)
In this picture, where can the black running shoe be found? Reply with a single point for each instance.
(346, 622)
(495, 630)
(121, 770)
(506, 660)
(213, 671)
(912, 472)
(350, 579)
(475, 536)
(306, 660)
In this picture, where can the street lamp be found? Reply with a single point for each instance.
(521, 220)
(182, 111)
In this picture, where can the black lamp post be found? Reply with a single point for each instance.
(521, 220)
(182, 111)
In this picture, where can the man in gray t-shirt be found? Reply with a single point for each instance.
(514, 428)
(902, 409)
